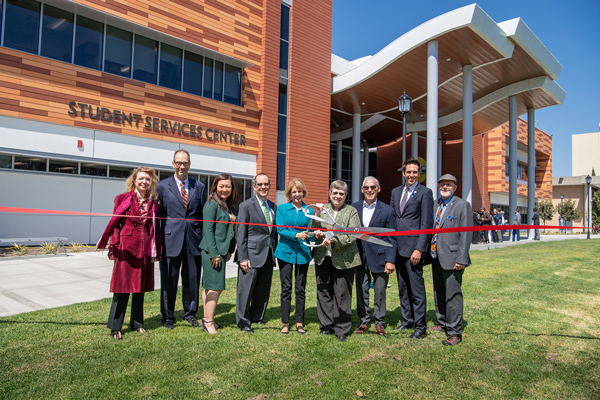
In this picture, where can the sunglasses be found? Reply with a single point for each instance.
(370, 187)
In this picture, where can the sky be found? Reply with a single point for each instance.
(570, 31)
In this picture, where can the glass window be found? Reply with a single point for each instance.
(88, 43)
(22, 25)
(57, 33)
(282, 134)
(164, 175)
(117, 58)
(233, 85)
(64, 167)
(30, 163)
(5, 161)
(285, 22)
(281, 171)
(204, 179)
(282, 99)
(218, 92)
(208, 77)
(93, 169)
(248, 189)
(119, 172)
(145, 55)
(239, 188)
(284, 52)
(170, 66)
(192, 73)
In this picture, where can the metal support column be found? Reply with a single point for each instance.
(338, 160)
(365, 160)
(467, 148)
(530, 168)
(432, 114)
(414, 145)
(512, 161)
(355, 157)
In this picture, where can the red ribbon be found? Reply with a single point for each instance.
(20, 210)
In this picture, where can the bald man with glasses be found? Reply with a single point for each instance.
(377, 260)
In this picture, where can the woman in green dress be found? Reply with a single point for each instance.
(218, 244)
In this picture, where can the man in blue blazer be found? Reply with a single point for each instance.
(377, 260)
(413, 204)
(256, 248)
(450, 252)
(182, 199)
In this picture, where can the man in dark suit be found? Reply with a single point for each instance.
(376, 260)
(412, 204)
(536, 221)
(182, 199)
(450, 252)
(256, 246)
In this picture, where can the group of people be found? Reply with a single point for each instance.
(195, 234)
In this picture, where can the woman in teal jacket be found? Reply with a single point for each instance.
(292, 252)
(218, 244)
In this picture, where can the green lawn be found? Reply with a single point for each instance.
(532, 331)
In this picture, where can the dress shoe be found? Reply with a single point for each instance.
(452, 340)
(419, 334)
(380, 330)
(362, 329)
(342, 338)
(169, 325)
(436, 328)
(247, 329)
(326, 332)
(403, 327)
(193, 321)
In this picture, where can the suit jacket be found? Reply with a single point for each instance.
(536, 218)
(453, 247)
(290, 249)
(174, 229)
(217, 239)
(344, 252)
(517, 219)
(417, 215)
(375, 256)
(254, 241)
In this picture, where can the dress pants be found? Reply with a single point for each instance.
(448, 298)
(411, 290)
(191, 270)
(253, 290)
(286, 271)
(363, 284)
(334, 298)
(536, 235)
(117, 311)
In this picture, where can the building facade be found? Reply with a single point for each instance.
(92, 89)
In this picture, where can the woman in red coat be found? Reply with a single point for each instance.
(134, 233)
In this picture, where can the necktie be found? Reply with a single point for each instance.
(184, 195)
(437, 225)
(267, 215)
(404, 200)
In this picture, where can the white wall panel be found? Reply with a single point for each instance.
(17, 134)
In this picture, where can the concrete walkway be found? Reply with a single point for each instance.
(40, 282)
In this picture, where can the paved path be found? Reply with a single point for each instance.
(39, 282)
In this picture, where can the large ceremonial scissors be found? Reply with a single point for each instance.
(359, 233)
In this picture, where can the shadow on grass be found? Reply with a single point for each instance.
(51, 322)
(552, 334)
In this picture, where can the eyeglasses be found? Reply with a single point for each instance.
(373, 187)
(181, 164)
(262, 184)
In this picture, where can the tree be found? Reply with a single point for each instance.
(546, 210)
(596, 211)
(567, 210)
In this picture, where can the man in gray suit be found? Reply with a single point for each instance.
(450, 253)
(256, 245)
